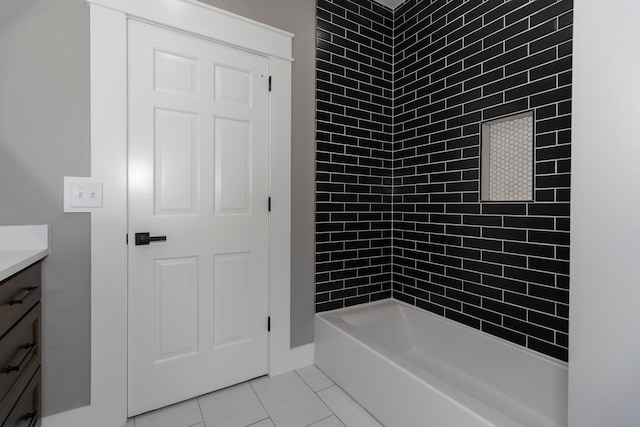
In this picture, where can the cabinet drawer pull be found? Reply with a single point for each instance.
(29, 347)
(30, 290)
(31, 417)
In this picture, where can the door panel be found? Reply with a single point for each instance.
(177, 74)
(233, 86)
(232, 304)
(232, 166)
(198, 174)
(176, 311)
(176, 162)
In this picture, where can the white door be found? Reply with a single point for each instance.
(198, 174)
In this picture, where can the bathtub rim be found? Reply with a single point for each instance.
(334, 316)
(465, 401)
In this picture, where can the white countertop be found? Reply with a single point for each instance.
(21, 246)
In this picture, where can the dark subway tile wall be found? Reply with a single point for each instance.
(401, 97)
(354, 152)
(506, 264)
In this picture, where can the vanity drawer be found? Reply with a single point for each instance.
(18, 294)
(19, 359)
(26, 412)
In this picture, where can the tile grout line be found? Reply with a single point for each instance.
(261, 403)
(354, 400)
(200, 409)
(259, 421)
(334, 414)
(309, 385)
(327, 417)
(314, 392)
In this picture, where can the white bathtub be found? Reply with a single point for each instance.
(411, 368)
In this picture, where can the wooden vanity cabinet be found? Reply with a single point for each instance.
(20, 348)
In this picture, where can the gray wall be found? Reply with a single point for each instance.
(297, 17)
(44, 135)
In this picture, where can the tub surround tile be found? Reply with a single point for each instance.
(354, 163)
(233, 406)
(401, 96)
(289, 401)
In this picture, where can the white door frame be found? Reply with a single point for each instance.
(108, 27)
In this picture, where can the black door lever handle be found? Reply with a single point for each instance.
(145, 239)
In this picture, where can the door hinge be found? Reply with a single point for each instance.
(270, 83)
(269, 204)
(269, 324)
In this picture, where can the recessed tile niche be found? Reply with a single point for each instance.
(507, 159)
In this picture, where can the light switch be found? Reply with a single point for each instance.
(85, 195)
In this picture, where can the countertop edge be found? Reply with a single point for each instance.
(21, 246)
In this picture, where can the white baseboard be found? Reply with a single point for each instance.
(302, 356)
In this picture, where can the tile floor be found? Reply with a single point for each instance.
(303, 398)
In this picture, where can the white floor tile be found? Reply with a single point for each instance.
(236, 406)
(185, 414)
(314, 377)
(332, 421)
(289, 401)
(264, 423)
(346, 409)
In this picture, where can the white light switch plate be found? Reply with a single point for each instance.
(81, 194)
(86, 195)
